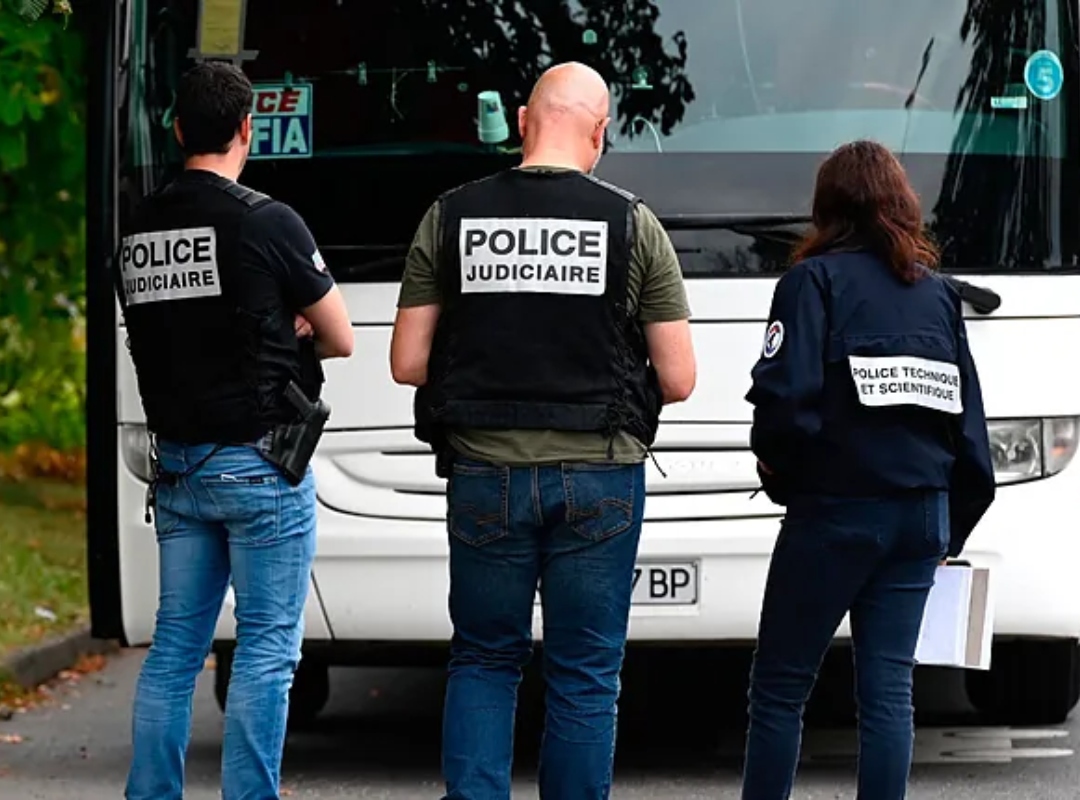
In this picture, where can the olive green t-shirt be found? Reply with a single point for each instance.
(656, 290)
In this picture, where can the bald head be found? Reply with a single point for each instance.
(565, 118)
(570, 88)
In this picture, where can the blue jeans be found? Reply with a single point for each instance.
(235, 517)
(573, 529)
(876, 558)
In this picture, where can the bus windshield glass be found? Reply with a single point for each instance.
(721, 112)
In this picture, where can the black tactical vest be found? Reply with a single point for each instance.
(211, 368)
(535, 330)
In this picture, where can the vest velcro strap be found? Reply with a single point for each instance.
(508, 415)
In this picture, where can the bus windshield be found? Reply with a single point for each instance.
(721, 110)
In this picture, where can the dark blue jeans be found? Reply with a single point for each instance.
(876, 558)
(573, 529)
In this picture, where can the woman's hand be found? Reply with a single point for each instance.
(303, 327)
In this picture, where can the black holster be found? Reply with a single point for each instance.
(428, 429)
(293, 444)
(444, 462)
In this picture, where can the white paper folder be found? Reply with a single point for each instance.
(958, 624)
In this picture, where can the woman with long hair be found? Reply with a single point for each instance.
(869, 428)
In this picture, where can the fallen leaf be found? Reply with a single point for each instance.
(89, 664)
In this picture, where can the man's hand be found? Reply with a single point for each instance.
(303, 327)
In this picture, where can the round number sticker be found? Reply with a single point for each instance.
(1044, 75)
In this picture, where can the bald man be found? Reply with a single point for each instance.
(543, 318)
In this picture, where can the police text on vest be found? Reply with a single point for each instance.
(170, 265)
(558, 256)
(907, 381)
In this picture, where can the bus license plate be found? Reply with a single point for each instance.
(665, 584)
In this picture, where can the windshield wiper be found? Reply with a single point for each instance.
(981, 299)
(734, 222)
(778, 228)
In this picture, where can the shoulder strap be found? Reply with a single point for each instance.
(249, 197)
(629, 197)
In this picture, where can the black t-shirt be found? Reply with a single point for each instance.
(283, 259)
(285, 266)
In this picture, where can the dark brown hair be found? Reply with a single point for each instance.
(212, 101)
(863, 199)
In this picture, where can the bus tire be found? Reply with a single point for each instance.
(308, 697)
(309, 694)
(1028, 683)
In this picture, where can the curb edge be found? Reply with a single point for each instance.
(34, 665)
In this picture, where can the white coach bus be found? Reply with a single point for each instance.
(722, 111)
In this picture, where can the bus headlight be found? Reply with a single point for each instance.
(135, 450)
(1028, 449)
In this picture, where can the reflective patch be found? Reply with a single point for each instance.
(556, 256)
(907, 381)
(170, 265)
(774, 337)
(317, 260)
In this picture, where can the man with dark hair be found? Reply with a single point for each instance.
(229, 308)
(213, 101)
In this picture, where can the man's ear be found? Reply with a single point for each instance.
(521, 122)
(245, 130)
(598, 134)
(179, 134)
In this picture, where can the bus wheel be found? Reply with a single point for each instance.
(1028, 683)
(308, 697)
(310, 692)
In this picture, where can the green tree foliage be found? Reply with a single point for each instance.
(31, 10)
(42, 231)
(522, 38)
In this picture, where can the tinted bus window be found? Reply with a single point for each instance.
(367, 111)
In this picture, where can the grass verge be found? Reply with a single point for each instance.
(42, 560)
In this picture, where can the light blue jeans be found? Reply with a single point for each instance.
(235, 517)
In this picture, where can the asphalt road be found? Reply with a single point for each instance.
(379, 738)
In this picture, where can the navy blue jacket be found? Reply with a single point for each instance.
(866, 387)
